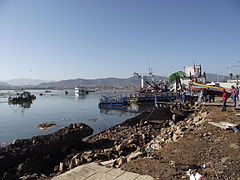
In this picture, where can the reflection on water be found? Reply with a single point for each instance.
(21, 106)
(126, 111)
(80, 96)
(119, 112)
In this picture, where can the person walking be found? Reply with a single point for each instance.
(225, 96)
(234, 96)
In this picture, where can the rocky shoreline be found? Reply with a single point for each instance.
(43, 157)
(39, 154)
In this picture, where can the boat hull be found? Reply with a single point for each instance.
(198, 87)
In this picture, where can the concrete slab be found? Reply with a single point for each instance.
(101, 176)
(70, 175)
(128, 176)
(97, 167)
(144, 177)
(223, 125)
(84, 171)
(93, 171)
(116, 172)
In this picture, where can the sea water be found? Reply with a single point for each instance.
(19, 121)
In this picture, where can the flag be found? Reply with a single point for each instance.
(194, 70)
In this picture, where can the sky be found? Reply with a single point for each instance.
(67, 39)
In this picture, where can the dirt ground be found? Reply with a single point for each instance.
(217, 148)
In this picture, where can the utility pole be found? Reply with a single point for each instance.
(229, 67)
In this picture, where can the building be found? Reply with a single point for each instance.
(193, 71)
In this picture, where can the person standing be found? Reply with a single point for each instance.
(204, 93)
(234, 96)
(225, 96)
(200, 96)
(237, 89)
(212, 96)
(183, 94)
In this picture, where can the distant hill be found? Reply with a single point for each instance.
(4, 84)
(103, 82)
(113, 82)
(24, 82)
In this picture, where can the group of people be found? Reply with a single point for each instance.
(234, 93)
(208, 95)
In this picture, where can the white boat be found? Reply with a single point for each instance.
(81, 90)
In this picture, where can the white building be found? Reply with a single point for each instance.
(194, 70)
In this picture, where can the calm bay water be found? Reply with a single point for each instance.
(17, 122)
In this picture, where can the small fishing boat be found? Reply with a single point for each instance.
(81, 90)
(139, 98)
(113, 102)
(24, 96)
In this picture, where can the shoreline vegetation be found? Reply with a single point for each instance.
(163, 142)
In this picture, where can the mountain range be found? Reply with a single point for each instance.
(102, 82)
(24, 82)
(4, 84)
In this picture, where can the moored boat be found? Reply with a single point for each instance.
(81, 90)
(193, 86)
(25, 96)
(139, 98)
(113, 102)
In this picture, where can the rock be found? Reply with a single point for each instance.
(171, 122)
(108, 163)
(225, 159)
(20, 167)
(46, 126)
(172, 163)
(178, 131)
(122, 160)
(134, 155)
(196, 119)
(29, 177)
(8, 176)
(38, 148)
(2, 157)
(176, 137)
(61, 167)
(99, 156)
(234, 146)
(204, 114)
(173, 118)
(56, 168)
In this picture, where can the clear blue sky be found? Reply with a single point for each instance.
(56, 39)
